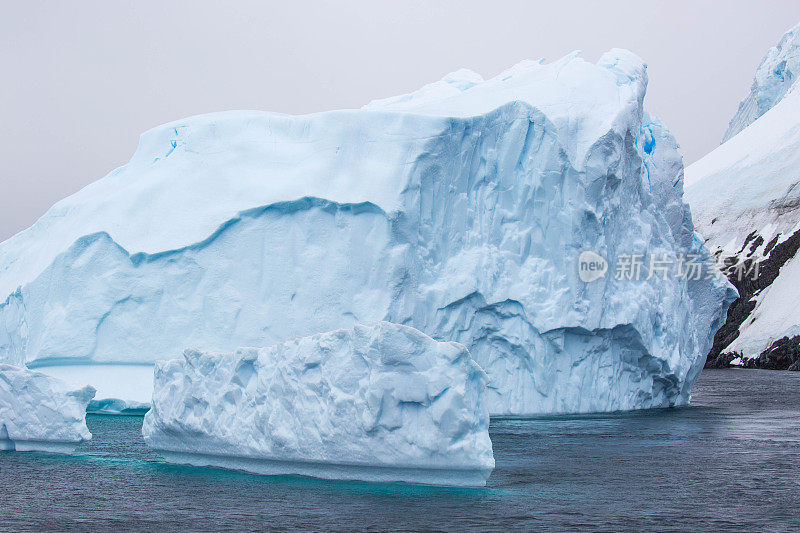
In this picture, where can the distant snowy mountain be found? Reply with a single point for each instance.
(774, 77)
(745, 198)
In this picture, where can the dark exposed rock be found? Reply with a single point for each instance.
(723, 360)
(758, 241)
(746, 242)
(771, 244)
(782, 354)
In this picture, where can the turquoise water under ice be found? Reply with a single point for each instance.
(730, 461)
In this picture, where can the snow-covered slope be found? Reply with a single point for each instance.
(459, 210)
(750, 182)
(774, 77)
(379, 403)
(745, 197)
(40, 413)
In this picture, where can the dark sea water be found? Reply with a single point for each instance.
(731, 461)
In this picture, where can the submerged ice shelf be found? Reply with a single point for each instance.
(41, 413)
(379, 403)
(459, 210)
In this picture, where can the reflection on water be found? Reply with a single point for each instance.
(731, 460)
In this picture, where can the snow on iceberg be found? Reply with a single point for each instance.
(459, 210)
(41, 413)
(776, 74)
(379, 403)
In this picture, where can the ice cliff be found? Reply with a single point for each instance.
(40, 413)
(459, 210)
(774, 77)
(379, 403)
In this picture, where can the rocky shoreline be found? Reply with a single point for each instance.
(783, 354)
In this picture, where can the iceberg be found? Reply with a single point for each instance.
(460, 210)
(745, 196)
(378, 403)
(40, 413)
(774, 77)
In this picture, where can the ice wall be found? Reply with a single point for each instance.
(379, 403)
(459, 210)
(40, 413)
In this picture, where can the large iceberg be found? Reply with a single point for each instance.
(379, 403)
(776, 74)
(460, 210)
(41, 413)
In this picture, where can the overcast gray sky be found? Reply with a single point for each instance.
(82, 80)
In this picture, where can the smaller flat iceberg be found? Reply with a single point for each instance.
(382, 403)
(122, 389)
(41, 413)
